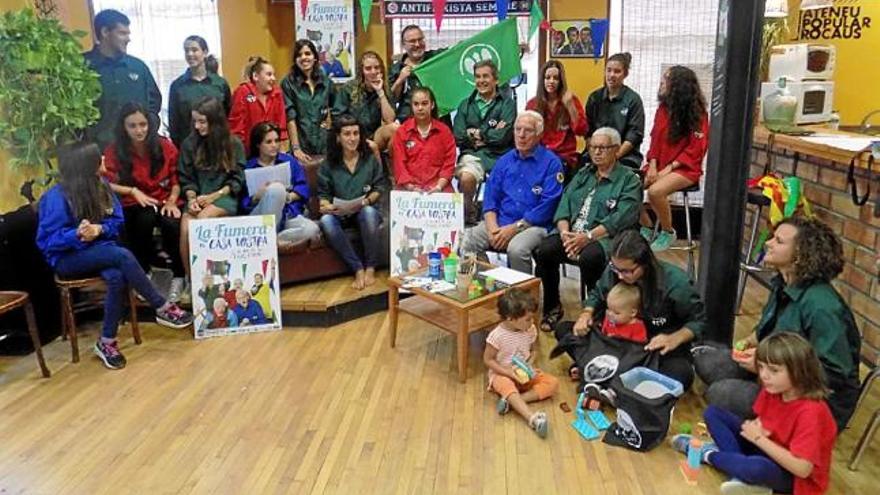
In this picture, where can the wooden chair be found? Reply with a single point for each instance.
(68, 323)
(873, 424)
(10, 300)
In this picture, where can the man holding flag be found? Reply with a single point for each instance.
(400, 75)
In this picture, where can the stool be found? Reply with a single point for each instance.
(746, 268)
(68, 323)
(871, 427)
(691, 246)
(11, 299)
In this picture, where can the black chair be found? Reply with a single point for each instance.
(749, 267)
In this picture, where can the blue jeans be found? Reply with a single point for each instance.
(740, 458)
(293, 230)
(368, 220)
(119, 269)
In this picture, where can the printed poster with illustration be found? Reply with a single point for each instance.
(422, 223)
(329, 24)
(235, 288)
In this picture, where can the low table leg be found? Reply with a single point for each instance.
(393, 310)
(463, 342)
(35, 336)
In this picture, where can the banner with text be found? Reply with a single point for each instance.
(454, 8)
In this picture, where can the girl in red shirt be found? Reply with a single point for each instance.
(423, 148)
(787, 447)
(564, 118)
(256, 100)
(141, 167)
(679, 141)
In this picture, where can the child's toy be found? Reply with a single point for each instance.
(583, 427)
(739, 351)
(524, 373)
(690, 468)
(599, 419)
(650, 384)
(685, 428)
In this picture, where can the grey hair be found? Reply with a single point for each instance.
(537, 118)
(609, 132)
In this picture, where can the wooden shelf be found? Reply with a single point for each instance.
(446, 317)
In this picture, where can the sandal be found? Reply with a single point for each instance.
(551, 318)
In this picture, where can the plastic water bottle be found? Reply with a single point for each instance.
(695, 449)
(434, 265)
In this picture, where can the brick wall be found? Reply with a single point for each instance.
(825, 186)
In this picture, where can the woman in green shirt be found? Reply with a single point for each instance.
(367, 98)
(807, 256)
(210, 169)
(352, 174)
(198, 81)
(308, 98)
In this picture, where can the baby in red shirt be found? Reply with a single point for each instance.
(622, 315)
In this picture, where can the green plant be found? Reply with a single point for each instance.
(47, 92)
(774, 32)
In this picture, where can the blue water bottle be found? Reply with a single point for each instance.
(434, 263)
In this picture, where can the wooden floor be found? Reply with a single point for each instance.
(317, 411)
(323, 294)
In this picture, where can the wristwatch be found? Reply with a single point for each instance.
(589, 234)
(520, 225)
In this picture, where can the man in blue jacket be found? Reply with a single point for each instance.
(520, 198)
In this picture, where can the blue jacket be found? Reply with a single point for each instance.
(56, 232)
(525, 188)
(298, 184)
(253, 312)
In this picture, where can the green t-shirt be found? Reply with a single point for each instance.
(495, 124)
(367, 109)
(206, 181)
(183, 95)
(335, 180)
(309, 110)
(625, 113)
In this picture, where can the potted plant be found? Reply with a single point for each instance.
(47, 95)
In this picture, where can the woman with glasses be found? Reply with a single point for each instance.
(670, 306)
(601, 200)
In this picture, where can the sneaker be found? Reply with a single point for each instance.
(605, 396)
(173, 317)
(737, 487)
(663, 240)
(176, 290)
(539, 423)
(549, 320)
(647, 233)
(109, 354)
(502, 406)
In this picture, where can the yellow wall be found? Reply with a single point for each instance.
(857, 74)
(584, 75)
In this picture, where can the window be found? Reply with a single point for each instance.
(660, 34)
(158, 28)
(455, 29)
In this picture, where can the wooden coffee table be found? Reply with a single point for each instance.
(457, 314)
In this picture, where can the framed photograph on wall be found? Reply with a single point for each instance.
(329, 24)
(577, 38)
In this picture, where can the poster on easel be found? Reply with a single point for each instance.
(234, 273)
(422, 223)
(329, 24)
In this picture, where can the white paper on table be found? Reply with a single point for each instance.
(347, 206)
(847, 143)
(257, 177)
(506, 275)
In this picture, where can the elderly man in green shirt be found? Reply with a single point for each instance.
(123, 78)
(483, 130)
(602, 199)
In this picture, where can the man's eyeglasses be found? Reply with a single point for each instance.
(415, 41)
(621, 271)
(597, 149)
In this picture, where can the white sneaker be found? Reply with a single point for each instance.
(176, 290)
(737, 487)
(185, 294)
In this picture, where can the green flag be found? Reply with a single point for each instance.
(536, 18)
(451, 74)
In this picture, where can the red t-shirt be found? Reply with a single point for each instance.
(688, 151)
(806, 428)
(562, 140)
(158, 187)
(247, 111)
(423, 161)
(634, 331)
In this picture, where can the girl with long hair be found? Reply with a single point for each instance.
(564, 118)
(257, 99)
(210, 169)
(618, 106)
(367, 98)
(288, 204)
(351, 172)
(308, 98)
(423, 148)
(679, 141)
(141, 167)
(79, 225)
(198, 81)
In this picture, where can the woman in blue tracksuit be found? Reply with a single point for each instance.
(78, 233)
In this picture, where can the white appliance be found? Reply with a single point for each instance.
(814, 99)
(802, 61)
